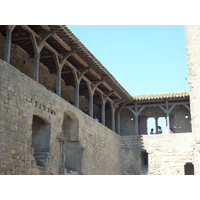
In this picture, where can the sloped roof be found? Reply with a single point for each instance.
(160, 96)
(63, 44)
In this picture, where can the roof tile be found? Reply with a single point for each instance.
(160, 96)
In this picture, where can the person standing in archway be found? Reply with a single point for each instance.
(159, 130)
(151, 133)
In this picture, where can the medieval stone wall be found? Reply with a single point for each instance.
(192, 33)
(127, 126)
(84, 146)
(179, 113)
(167, 153)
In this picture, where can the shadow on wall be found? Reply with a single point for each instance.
(132, 157)
(143, 164)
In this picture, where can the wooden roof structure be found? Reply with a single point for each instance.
(62, 43)
(161, 99)
(161, 96)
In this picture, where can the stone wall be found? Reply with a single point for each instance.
(192, 33)
(179, 113)
(167, 153)
(127, 126)
(86, 147)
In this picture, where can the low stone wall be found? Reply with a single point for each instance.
(167, 153)
(93, 148)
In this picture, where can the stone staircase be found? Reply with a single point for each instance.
(144, 170)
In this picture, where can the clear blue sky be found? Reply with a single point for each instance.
(144, 59)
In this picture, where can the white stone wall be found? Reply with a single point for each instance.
(192, 33)
(167, 154)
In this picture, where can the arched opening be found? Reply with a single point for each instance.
(71, 150)
(70, 126)
(40, 140)
(189, 169)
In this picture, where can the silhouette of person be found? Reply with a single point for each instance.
(95, 117)
(85, 110)
(151, 131)
(159, 130)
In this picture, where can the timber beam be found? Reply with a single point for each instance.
(50, 48)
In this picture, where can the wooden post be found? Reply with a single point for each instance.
(91, 89)
(167, 111)
(77, 77)
(91, 92)
(36, 66)
(113, 117)
(103, 112)
(136, 114)
(136, 125)
(167, 116)
(9, 30)
(118, 118)
(59, 65)
(90, 104)
(136, 119)
(156, 121)
(114, 105)
(58, 82)
(38, 44)
(77, 94)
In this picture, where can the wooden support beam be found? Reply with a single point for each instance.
(50, 48)
(58, 82)
(66, 72)
(186, 106)
(80, 60)
(109, 93)
(63, 44)
(18, 38)
(56, 37)
(45, 33)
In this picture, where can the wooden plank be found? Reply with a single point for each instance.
(80, 60)
(57, 38)
(18, 38)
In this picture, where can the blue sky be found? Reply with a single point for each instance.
(144, 59)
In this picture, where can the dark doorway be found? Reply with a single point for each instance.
(143, 163)
(144, 158)
(189, 169)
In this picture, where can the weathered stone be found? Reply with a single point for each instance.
(88, 147)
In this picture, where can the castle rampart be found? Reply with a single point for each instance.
(89, 147)
(43, 129)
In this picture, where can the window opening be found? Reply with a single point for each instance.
(189, 169)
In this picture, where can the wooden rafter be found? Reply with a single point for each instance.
(50, 48)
